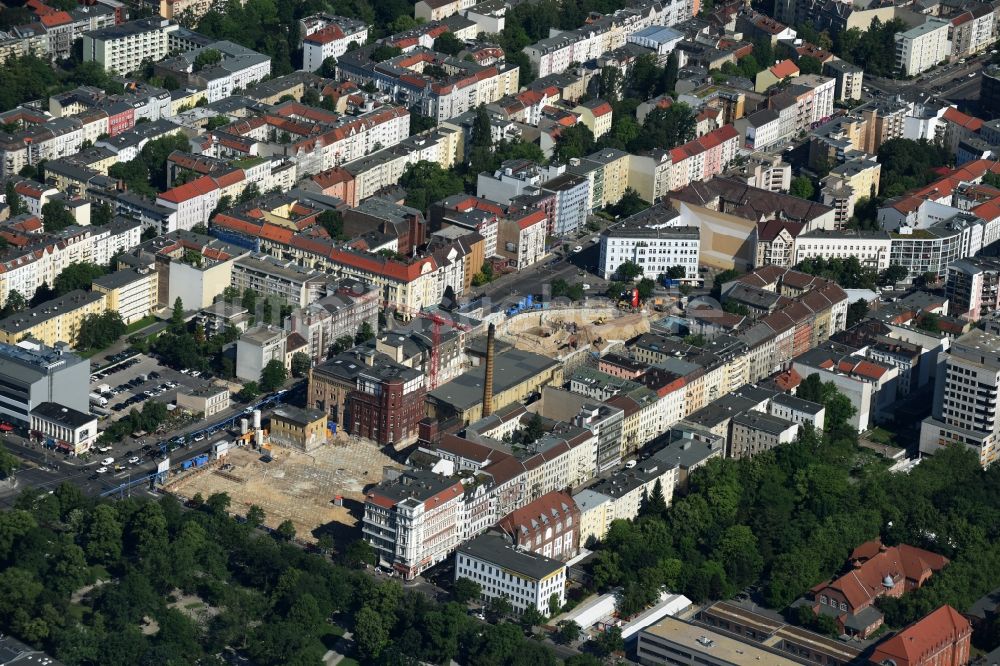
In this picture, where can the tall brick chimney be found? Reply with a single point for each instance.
(488, 380)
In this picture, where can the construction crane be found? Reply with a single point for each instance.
(437, 321)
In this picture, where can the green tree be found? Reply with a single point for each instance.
(574, 142)
(670, 74)
(655, 504)
(665, 128)
(364, 334)
(630, 204)
(333, 222)
(370, 632)
(856, 312)
(8, 463)
(809, 65)
(300, 364)
(568, 632)
(250, 391)
(531, 618)
(78, 275)
(56, 217)
(255, 516)
(15, 302)
(629, 270)
(249, 300)
(206, 58)
(285, 531)
(426, 182)
(14, 200)
(890, 276)
(449, 44)
(359, 554)
(498, 608)
(273, 376)
(101, 214)
(215, 122)
(465, 590)
(341, 344)
(802, 187)
(177, 323)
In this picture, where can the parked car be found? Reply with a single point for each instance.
(102, 470)
(108, 461)
(134, 460)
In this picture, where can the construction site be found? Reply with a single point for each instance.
(320, 491)
(560, 333)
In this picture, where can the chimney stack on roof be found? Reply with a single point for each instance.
(488, 379)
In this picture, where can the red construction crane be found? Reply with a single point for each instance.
(437, 321)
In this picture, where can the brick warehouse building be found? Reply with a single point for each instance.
(368, 394)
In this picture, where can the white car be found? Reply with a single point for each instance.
(578, 248)
(102, 470)
(104, 449)
(196, 373)
(134, 460)
(185, 371)
(200, 436)
(108, 461)
(585, 286)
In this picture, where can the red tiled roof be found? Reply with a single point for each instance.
(546, 510)
(924, 639)
(56, 19)
(187, 191)
(531, 219)
(971, 123)
(784, 69)
(330, 33)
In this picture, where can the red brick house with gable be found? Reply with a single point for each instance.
(940, 639)
(876, 570)
(550, 526)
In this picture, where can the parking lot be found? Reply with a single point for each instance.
(136, 379)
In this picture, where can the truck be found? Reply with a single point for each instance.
(98, 399)
(103, 389)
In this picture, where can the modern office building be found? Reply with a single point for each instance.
(965, 398)
(33, 373)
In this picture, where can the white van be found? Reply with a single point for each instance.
(107, 461)
(630, 464)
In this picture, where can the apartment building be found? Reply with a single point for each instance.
(920, 48)
(972, 287)
(965, 398)
(654, 240)
(521, 238)
(871, 248)
(328, 36)
(33, 374)
(661, 172)
(132, 293)
(849, 79)
(754, 432)
(123, 48)
(441, 86)
(549, 526)
(302, 429)
(235, 70)
(347, 305)
(256, 348)
(526, 579)
(271, 277)
(972, 31)
(413, 521)
(54, 321)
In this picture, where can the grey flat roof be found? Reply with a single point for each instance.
(761, 421)
(510, 368)
(298, 415)
(64, 415)
(54, 308)
(495, 550)
(120, 278)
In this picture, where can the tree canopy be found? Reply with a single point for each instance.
(426, 182)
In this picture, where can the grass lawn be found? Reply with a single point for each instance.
(142, 323)
(880, 435)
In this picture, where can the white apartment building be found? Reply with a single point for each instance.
(123, 48)
(965, 398)
(527, 580)
(414, 522)
(256, 348)
(132, 293)
(327, 36)
(872, 248)
(654, 240)
(920, 48)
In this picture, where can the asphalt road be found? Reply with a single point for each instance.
(45, 469)
(535, 279)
